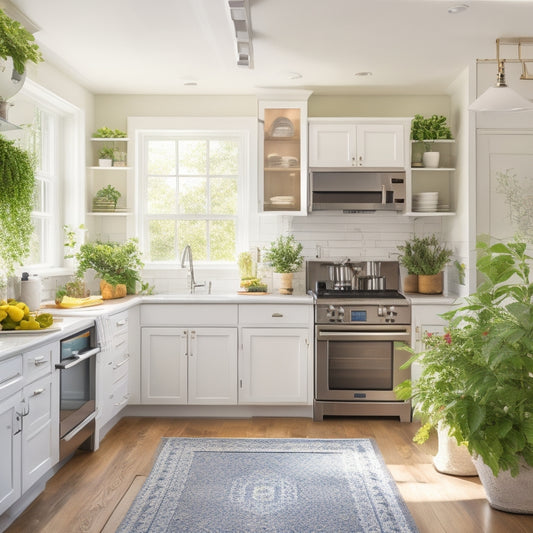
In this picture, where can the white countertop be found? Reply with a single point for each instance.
(13, 343)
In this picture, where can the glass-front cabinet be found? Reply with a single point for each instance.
(283, 155)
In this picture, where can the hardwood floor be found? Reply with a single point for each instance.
(92, 492)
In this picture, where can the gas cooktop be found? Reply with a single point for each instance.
(353, 294)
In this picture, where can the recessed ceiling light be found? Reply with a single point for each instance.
(190, 83)
(458, 8)
(294, 76)
(363, 74)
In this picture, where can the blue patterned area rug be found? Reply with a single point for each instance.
(268, 485)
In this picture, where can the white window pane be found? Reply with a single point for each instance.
(194, 233)
(222, 240)
(223, 196)
(192, 196)
(223, 157)
(162, 157)
(192, 157)
(162, 240)
(161, 195)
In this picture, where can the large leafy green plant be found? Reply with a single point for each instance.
(116, 263)
(478, 377)
(285, 254)
(424, 255)
(18, 43)
(17, 183)
(430, 129)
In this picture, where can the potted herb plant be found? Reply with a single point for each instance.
(105, 156)
(285, 257)
(17, 47)
(117, 264)
(427, 130)
(107, 133)
(477, 378)
(106, 199)
(425, 257)
(17, 184)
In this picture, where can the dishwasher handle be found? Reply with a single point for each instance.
(77, 358)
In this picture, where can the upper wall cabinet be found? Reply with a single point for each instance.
(283, 155)
(353, 142)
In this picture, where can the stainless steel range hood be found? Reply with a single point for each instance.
(350, 190)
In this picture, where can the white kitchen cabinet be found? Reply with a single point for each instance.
(196, 366)
(351, 142)
(275, 355)
(283, 155)
(115, 360)
(439, 179)
(29, 420)
(274, 366)
(11, 455)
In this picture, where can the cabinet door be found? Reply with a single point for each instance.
(10, 456)
(274, 366)
(164, 366)
(380, 145)
(212, 366)
(40, 442)
(283, 157)
(332, 145)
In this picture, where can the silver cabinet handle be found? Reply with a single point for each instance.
(122, 322)
(277, 315)
(36, 392)
(125, 400)
(118, 365)
(40, 360)
(120, 343)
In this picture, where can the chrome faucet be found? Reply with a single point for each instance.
(187, 253)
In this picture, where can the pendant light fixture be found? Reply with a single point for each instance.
(500, 97)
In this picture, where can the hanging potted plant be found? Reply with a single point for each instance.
(17, 184)
(427, 130)
(425, 257)
(117, 265)
(285, 257)
(482, 387)
(17, 47)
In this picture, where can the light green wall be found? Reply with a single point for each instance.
(112, 110)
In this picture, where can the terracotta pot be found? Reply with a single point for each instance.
(452, 458)
(109, 292)
(410, 283)
(430, 284)
(507, 493)
(285, 286)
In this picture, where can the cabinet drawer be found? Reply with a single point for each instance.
(188, 315)
(38, 362)
(118, 398)
(10, 376)
(120, 366)
(119, 323)
(120, 343)
(275, 315)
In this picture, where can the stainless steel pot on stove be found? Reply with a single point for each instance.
(344, 275)
(371, 283)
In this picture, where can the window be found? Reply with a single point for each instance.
(193, 189)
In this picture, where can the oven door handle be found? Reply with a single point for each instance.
(79, 427)
(77, 358)
(400, 335)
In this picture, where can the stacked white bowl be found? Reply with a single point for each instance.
(425, 201)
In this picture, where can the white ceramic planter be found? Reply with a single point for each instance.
(105, 162)
(431, 159)
(507, 493)
(452, 458)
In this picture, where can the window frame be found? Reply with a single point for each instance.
(140, 129)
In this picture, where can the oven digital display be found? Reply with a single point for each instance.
(357, 316)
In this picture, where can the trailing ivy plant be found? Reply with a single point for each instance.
(17, 184)
(18, 43)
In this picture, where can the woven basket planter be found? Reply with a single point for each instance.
(507, 493)
(110, 292)
(452, 458)
(430, 284)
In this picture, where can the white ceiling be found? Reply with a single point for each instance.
(153, 47)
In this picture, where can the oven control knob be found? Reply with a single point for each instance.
(330, 313)
(340, 314)
(380, 311)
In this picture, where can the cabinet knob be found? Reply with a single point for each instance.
(277, 315)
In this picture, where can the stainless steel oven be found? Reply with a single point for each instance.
(77, 397)
(358, 339)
